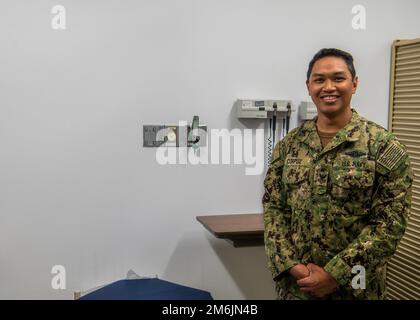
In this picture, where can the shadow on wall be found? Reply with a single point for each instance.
(204, 262)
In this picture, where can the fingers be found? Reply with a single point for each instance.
(306, 282)
(312, 267)
(312, 292)
(306, 290)
(299, 271)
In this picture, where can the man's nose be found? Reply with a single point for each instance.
(328, 86)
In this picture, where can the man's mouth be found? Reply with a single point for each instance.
(330, 98)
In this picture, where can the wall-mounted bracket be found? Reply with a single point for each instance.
(184, 134)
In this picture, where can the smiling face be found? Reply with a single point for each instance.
(331, 86)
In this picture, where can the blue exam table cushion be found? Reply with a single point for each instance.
(146, 289)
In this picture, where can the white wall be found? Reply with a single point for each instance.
(76, 186)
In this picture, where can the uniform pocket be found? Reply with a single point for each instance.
(352, 184)
(351, 177)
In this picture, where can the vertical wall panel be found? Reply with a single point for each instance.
(403, 277)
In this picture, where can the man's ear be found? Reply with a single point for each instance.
(355, 84)
(307, 86)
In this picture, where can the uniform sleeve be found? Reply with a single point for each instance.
(277, 219)
(388, 219)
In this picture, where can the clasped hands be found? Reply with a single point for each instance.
(313, 280)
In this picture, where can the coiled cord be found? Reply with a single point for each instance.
(269, 145)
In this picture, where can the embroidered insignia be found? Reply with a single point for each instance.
(391, 156)
(294, 161)
(356, 154)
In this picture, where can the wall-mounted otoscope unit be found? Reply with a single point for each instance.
(273, 110)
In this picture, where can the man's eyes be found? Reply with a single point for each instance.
(338, 79)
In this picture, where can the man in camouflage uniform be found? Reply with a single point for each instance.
(337, 194)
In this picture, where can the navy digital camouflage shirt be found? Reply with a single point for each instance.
(341, 206)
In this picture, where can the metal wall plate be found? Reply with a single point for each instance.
(151, 138)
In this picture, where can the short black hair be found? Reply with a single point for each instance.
(328, 52)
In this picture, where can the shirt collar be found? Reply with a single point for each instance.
(351, 132)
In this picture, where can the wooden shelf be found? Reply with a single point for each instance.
(241, 229)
